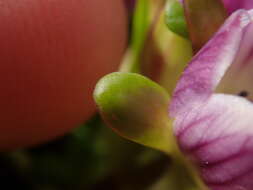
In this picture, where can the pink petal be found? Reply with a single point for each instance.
(233, 5)
(207, 68)
(216, 130)
(219, 141)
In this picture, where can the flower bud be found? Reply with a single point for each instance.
(175, 19)
(136, 108)
(204, 17)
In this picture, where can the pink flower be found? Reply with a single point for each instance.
(233, 5)
(213, 110)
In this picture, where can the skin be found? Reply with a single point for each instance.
(52, 53)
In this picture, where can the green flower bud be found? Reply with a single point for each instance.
(175, 19)
(136, 108)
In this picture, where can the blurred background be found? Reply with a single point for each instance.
(91, 157)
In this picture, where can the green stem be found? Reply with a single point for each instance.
(182, 170)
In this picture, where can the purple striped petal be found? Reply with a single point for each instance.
(219, 142)
(233, 5)
(207, 68)
(213, 125)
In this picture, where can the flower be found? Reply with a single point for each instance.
(212, 107)
(233, 5)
